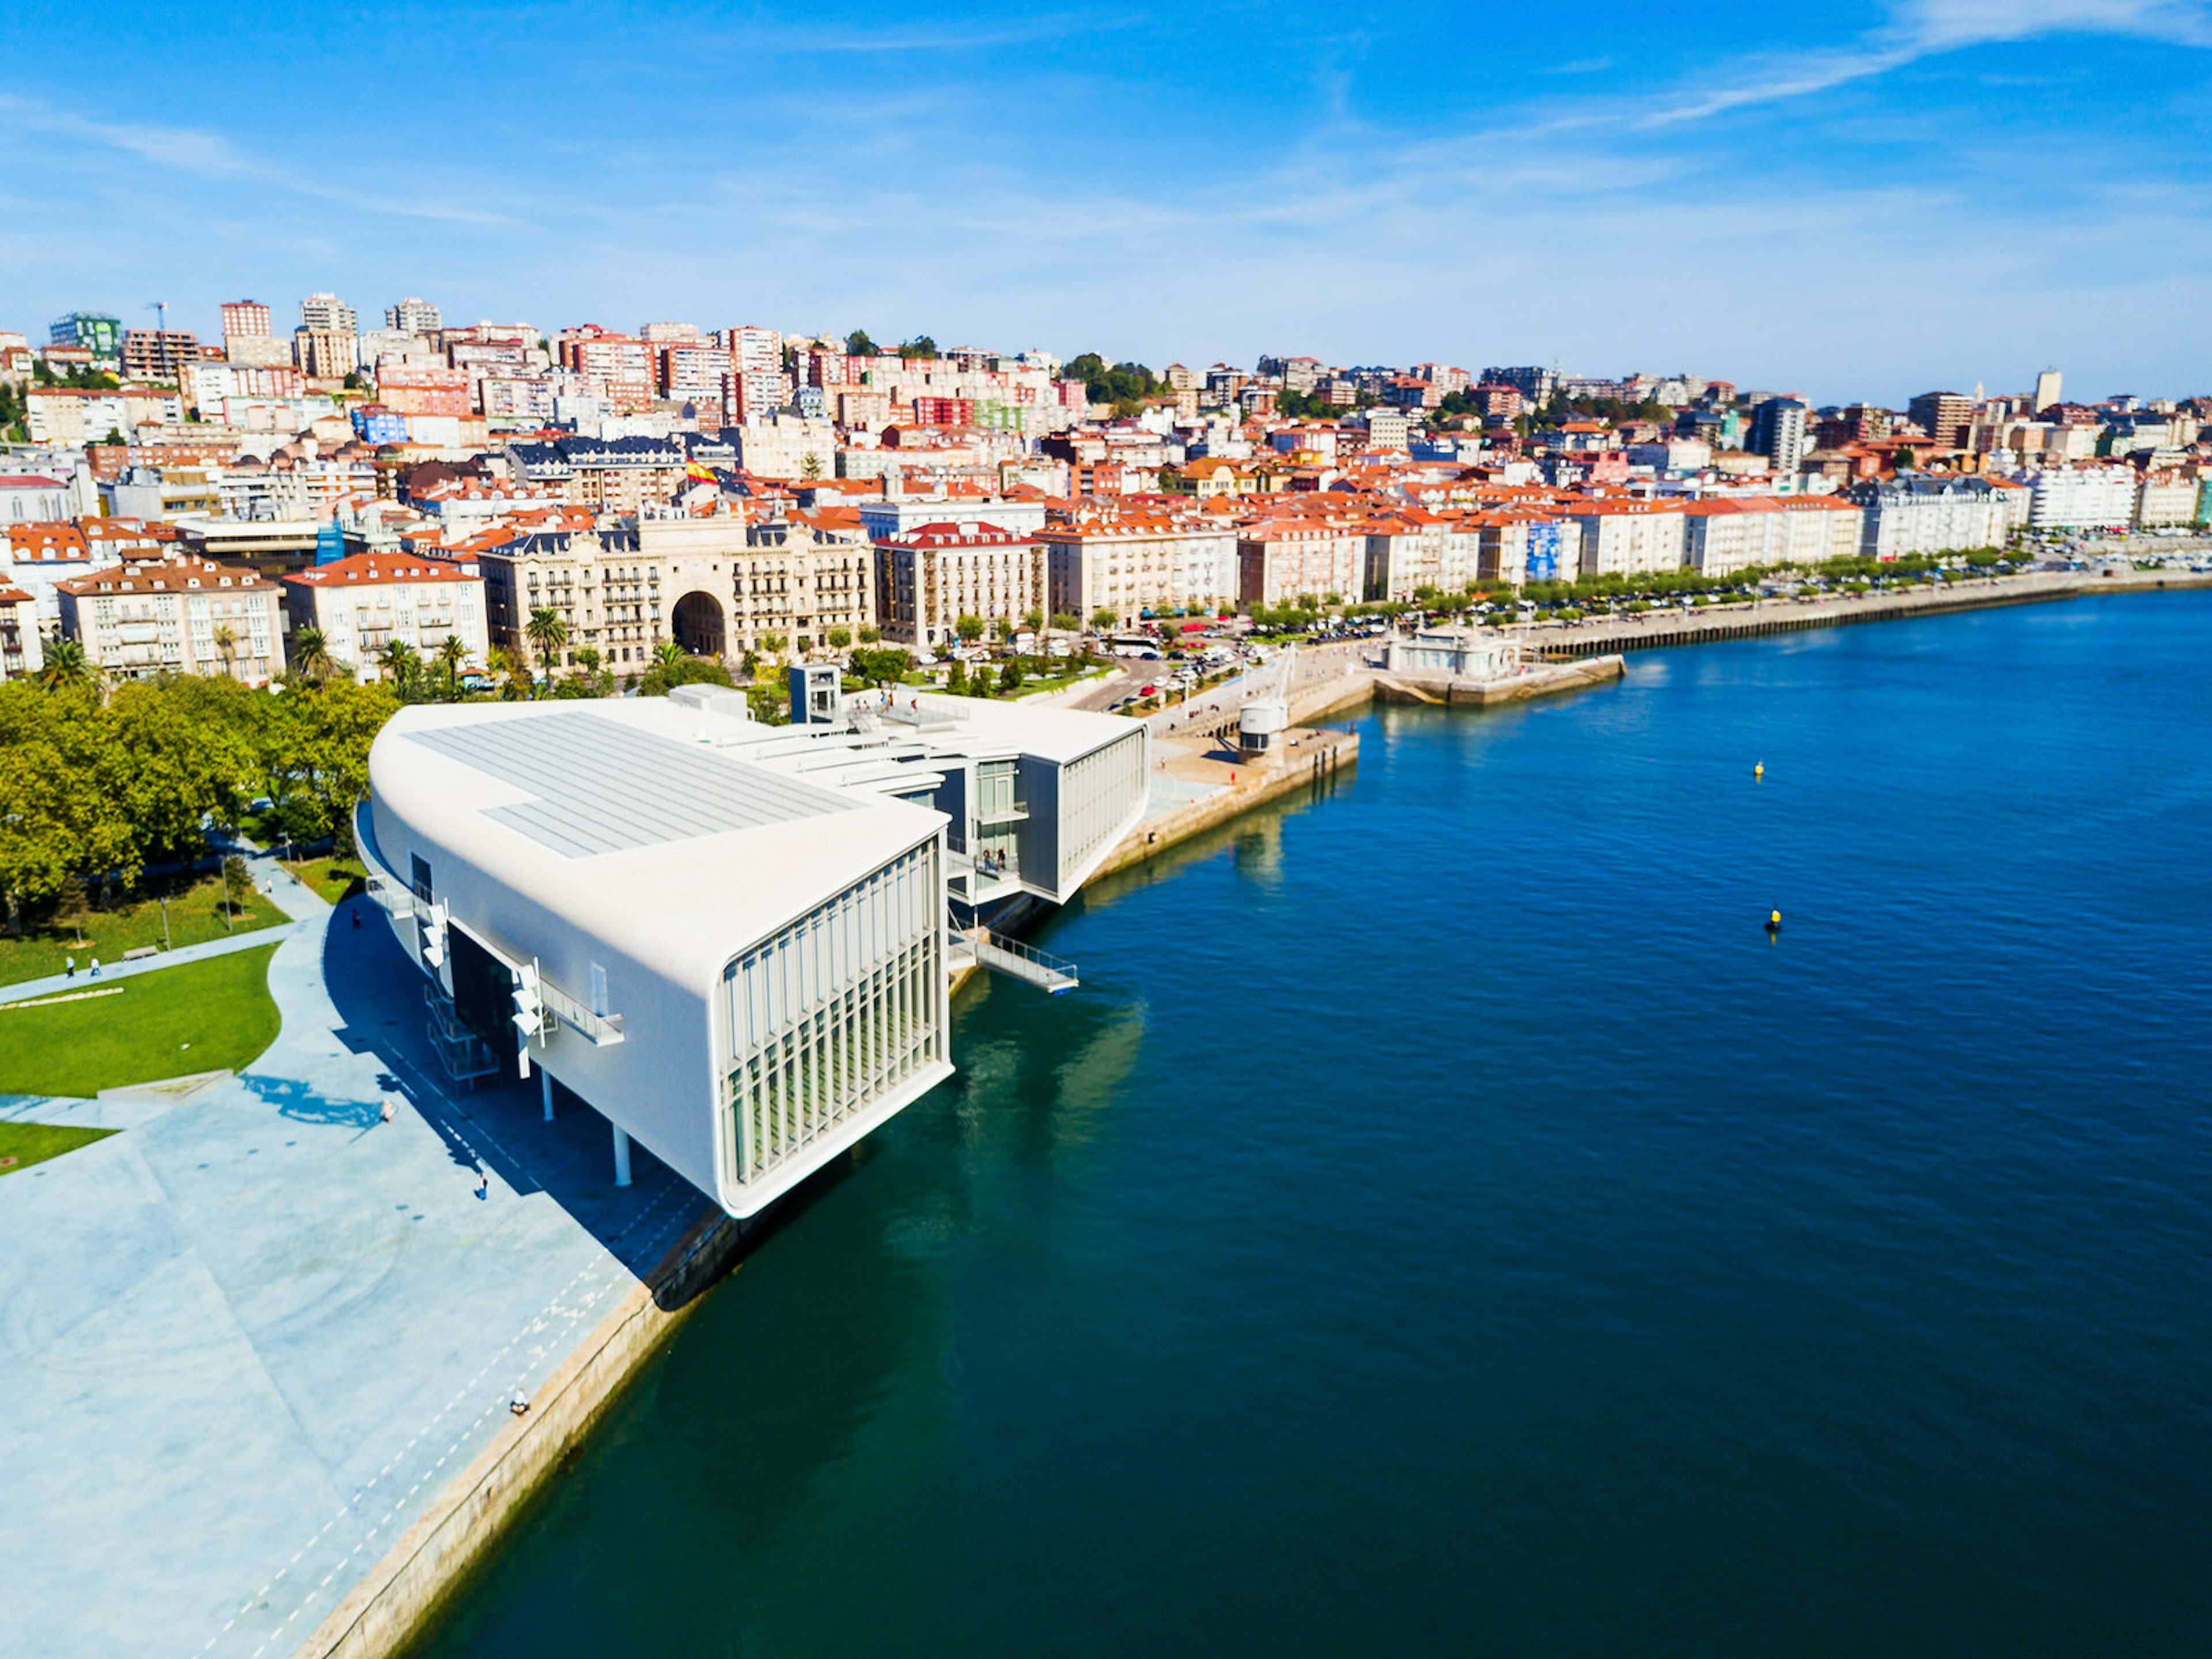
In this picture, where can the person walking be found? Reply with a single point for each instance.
(72, 969)
(483, 1185)
(96, 967)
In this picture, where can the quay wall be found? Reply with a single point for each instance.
(394, 1601)
(1320, 755)
(1656, 629)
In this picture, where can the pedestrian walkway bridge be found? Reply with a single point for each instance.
(1010, 957)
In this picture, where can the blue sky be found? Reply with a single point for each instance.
(1846, 200)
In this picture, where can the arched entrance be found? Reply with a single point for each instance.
(699, 626)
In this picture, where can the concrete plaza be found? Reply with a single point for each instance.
(244, 1342)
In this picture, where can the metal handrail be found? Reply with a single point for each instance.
(1024, 961)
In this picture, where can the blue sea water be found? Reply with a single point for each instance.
(1445, 1222)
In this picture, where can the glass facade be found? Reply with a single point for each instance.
(834, 1012)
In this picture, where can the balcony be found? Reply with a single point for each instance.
(397, 898)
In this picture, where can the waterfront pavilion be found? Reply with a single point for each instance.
(742, 968)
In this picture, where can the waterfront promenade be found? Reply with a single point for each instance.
(1601, 635)
(252, 1338)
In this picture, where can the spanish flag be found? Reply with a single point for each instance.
(699, 470)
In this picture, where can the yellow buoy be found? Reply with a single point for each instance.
(1760, 770)
(1774, 921)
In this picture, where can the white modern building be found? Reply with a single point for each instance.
(1933, 514)
(2082, 497)
(732, 940)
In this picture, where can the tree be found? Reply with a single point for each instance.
(403, 665)
(663, 677)
(452, 653)
(65, 666)
(921, 346)
(510, 670)
(1066, 621)
(858, 345)
(773, 644)
(1010, 674)
(1125, 386)
(237, 886)
(547, 632)
(809, 467)
(883, 666)
(668, 655)
(839, 638)
(955, 680)
(970, 627)
(870, 634)
(226, 645)
(311, 654)
(1104, 618)
(1035, 619)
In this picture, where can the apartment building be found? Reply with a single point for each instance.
(22, 653)
(414, 316)
(2164, 500)
(1943, 416)
(1279, 561)
(608, 475)
(1519, 545)
(1623, 537)
(182, 616)
(157, 354)
(70, 417)
(1937, 515)
(1136, 562)
(1727, 534)
(2085, 497)
(797, 578)
(366, 603)
(1414, 549)
(596, 580)
(931, 575)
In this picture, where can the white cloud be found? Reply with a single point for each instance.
(208, 156)
(1924, 28)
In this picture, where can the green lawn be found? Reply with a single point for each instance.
(196, 913)
(331, 878)
(207, 1016)
(22, 1145)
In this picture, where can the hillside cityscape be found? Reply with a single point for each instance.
(532, 504)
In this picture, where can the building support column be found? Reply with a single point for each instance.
(622, 1157)
(546, 1090)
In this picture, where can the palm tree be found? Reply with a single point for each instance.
(406, 668)
(506, 667)
(452, 654)
(668, 655)
(65, 665)
(311, 654)
(548, 632)
(226, 645)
